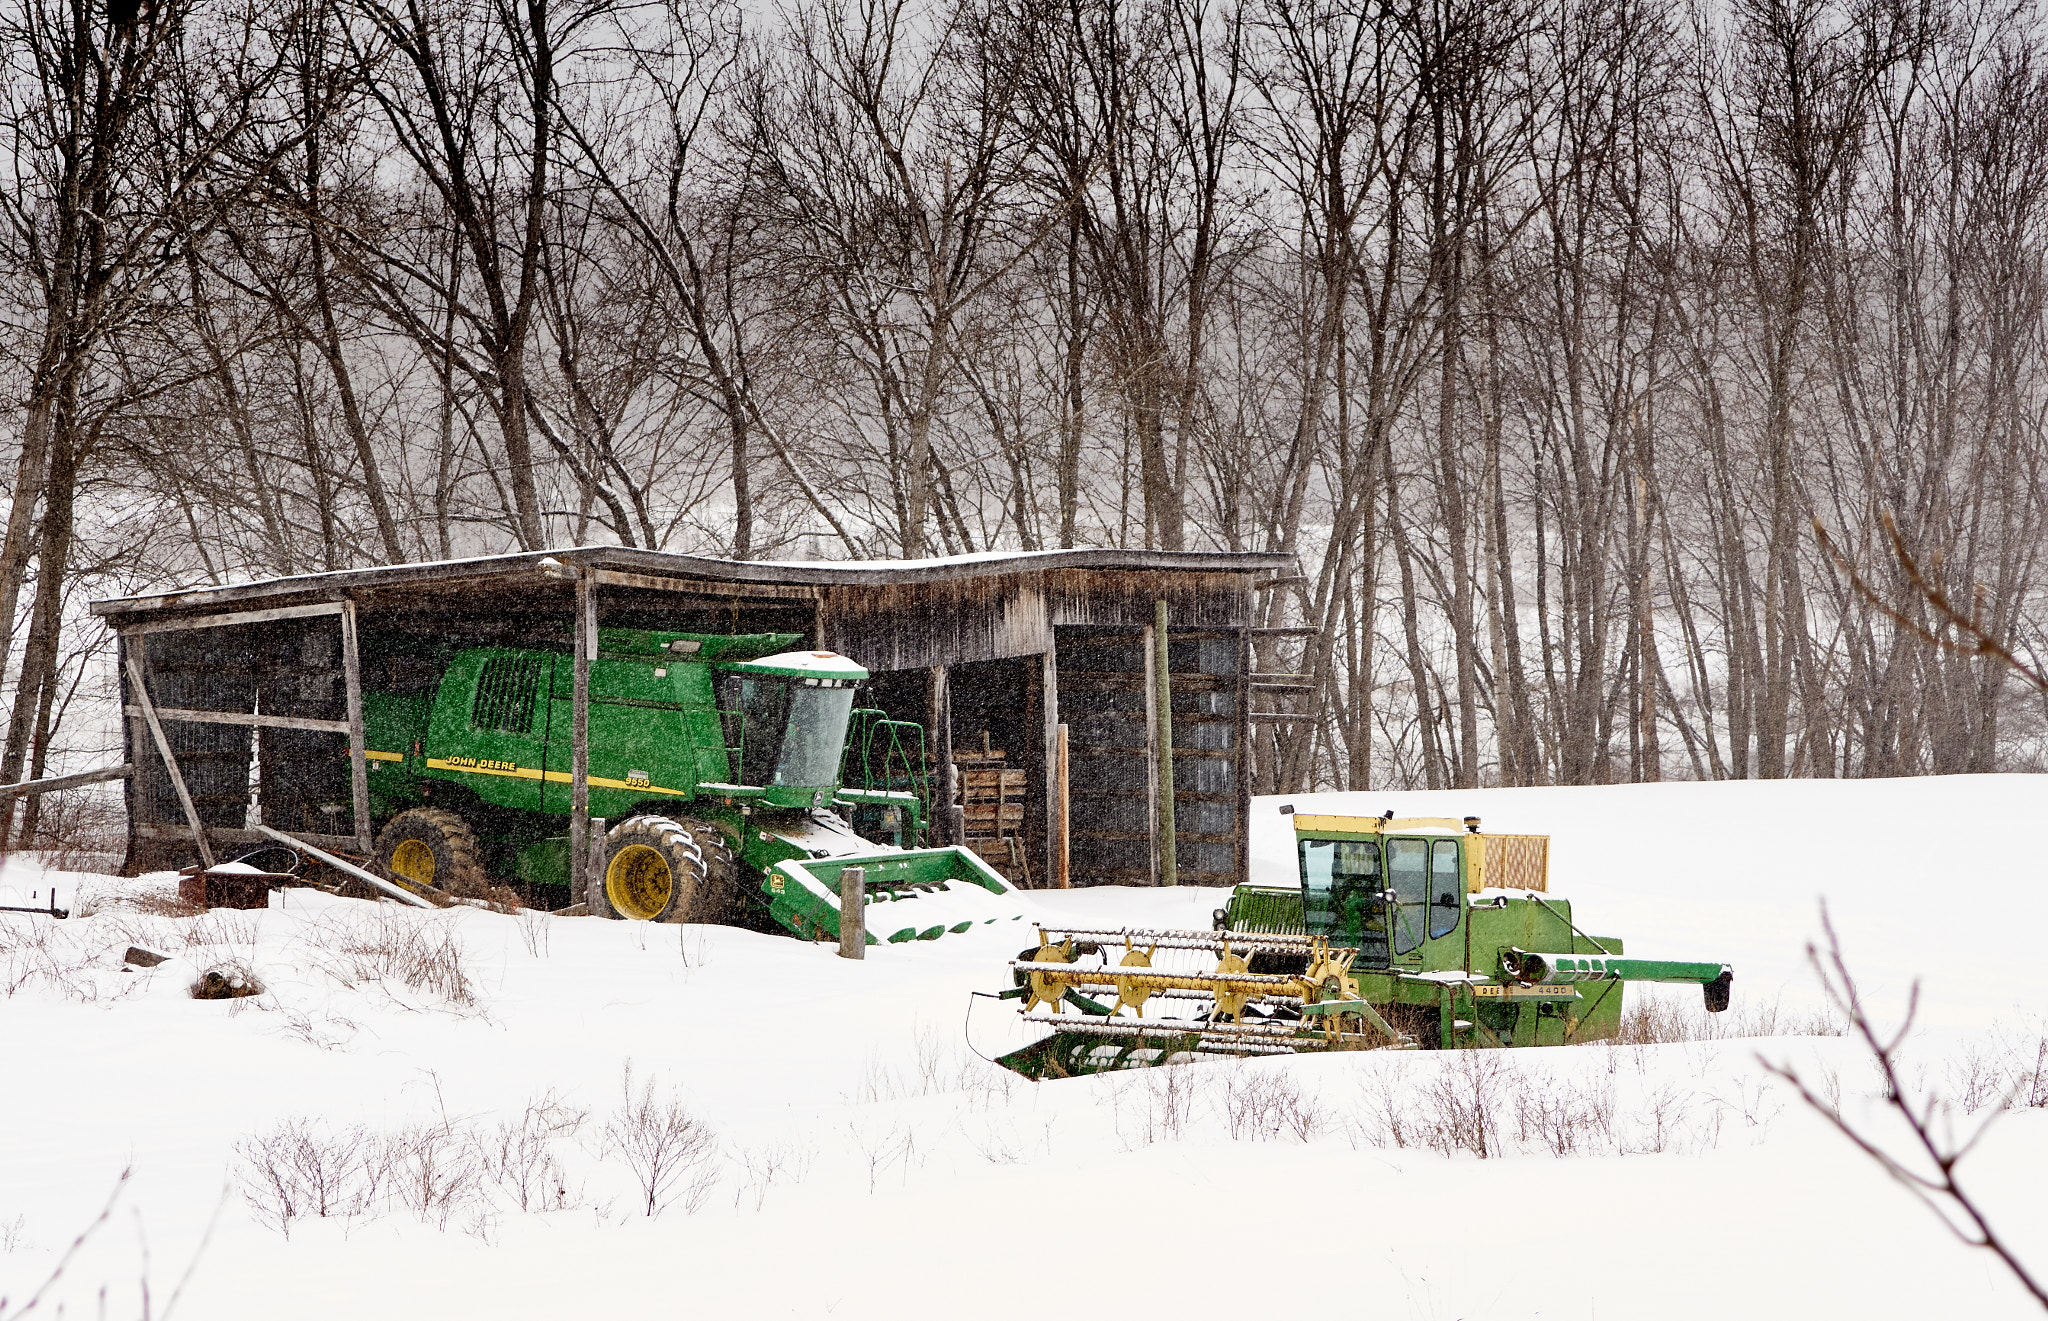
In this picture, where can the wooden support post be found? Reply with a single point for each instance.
(1241, 754)
(592, 870)
(140, 692)
(1049, 763)
(1063, 842)
(358, 763)
(1150, 661)
(946, 818)
(135, 738)
(579, 735)
(853, 912)
(1162, 671)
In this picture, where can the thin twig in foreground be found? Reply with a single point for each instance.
(1941, 1192)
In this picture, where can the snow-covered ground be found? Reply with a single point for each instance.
(856, 1158)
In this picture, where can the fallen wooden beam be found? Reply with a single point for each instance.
(190, 716)
(398, 892)
(100, 776)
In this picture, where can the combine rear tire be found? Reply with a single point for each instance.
(661, 870)
(432, 847)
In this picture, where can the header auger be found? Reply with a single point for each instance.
(1403, 934)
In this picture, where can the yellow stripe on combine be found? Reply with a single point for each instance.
(552, 777)
(385, 756)
(606, 782)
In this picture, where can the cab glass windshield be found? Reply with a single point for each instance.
(1341, 896)
(785, 731)
(816, 740)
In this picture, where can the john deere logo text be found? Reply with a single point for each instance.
(482, 764)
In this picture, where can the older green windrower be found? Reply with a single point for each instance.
(1409, 933)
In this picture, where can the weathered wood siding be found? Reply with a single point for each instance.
(903, 626)
(1104, 692)
(1126, 597)
(908, 626)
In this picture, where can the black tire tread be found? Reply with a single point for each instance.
(458, 858)
(697, 853)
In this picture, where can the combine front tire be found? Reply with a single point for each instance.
(432, 847)
(661, 870)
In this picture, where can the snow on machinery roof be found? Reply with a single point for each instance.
(809, 666)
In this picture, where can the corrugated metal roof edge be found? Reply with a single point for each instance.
(666, 564)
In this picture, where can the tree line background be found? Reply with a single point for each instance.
(1545, 333)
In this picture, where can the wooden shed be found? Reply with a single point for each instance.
(241, 700)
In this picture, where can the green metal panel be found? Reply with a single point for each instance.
(1264, 910)
(502, 767)
(394, 730)
(654, 734)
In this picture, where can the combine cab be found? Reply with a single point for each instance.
(1403, 934)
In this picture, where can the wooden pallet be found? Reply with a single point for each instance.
(992, 804)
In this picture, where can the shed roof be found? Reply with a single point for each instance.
(520, 569)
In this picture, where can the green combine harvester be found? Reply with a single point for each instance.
(718, 759)
(1404, 933)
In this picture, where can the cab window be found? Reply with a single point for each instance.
(1340, 896)
(1444, 885)
(1408, 875)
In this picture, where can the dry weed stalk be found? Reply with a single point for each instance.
(1260, 1104)
(420, 951)
(521, 1162)
(668, 1150)
(898, 1146)
(535, 928)
(764, 1167)
(450, 1171)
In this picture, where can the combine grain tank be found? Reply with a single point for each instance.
(1409, 933)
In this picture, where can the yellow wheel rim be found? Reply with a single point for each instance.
(414, 861)
(638, 882)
